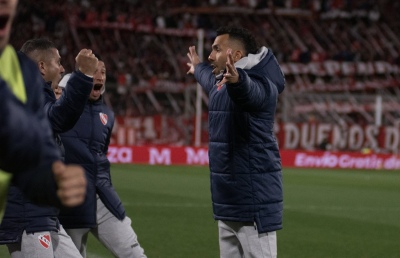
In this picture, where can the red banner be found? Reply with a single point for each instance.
(168, 130)
(167, 155)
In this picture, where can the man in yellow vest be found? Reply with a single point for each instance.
(27, 150)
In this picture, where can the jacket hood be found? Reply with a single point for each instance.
(265, 62)
(64, 80)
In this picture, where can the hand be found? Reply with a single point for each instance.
(58, 91)
(194, 59)
(86, 62)
(71, 182)
(231, 75)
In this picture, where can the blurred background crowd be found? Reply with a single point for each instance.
(337, 55)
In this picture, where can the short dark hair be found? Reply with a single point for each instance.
(241, 34)
(37, 49)
(37, 44)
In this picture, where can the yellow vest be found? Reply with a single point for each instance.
(10, 72)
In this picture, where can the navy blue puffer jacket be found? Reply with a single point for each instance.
(86, 144)
(65, 111)
(21, 214)
(245, 164)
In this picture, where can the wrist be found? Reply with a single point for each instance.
(85, 73)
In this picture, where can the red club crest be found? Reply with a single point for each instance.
(103, 118)
(45, 240)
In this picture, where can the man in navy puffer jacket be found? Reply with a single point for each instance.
(243, 83)
(24, 221)
(102, 213)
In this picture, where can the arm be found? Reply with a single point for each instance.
(29, 151)
(20, 134)
(201, 71)
(204, 76)
(250, 93)
(52, 182)
(65, 112)
(49, 182)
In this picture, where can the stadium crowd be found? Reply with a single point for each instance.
(335, 46)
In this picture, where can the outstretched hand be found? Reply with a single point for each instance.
(231, 75)
(194, 59)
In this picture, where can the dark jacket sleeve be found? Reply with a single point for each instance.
(204, 76)
(65, 112)
(38, 182)
(21, 135)
(249, 92)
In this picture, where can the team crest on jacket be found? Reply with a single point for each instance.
(45, 240)
(103, 118)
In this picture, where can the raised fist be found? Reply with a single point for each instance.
(86, 62)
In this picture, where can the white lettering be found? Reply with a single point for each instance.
(119, 155)
(308, 136)
(392, 138)
(371, 133)
(199, 157)
(356, 137)
(292, 136)
(124, 155)
(112, 154)
(392, 163)
(339, 138)
(305, 160)
(159, 158)
(329, 160)
(323, 132)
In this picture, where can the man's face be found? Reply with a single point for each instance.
(7, 13)
(217, 56)
(99, 79)
(51, 68)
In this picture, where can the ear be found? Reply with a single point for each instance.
(237, 55)
(42, 67)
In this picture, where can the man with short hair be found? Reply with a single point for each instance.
(65, 111)
(243, 83)
(20, 229)
(27, 151)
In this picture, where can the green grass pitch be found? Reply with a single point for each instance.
(328, 213)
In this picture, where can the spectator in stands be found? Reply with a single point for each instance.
(102, 213)
(243, 83)
(25, 133)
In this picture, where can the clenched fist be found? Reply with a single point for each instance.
(71, 182)
(86, 62)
